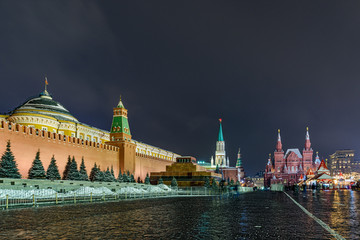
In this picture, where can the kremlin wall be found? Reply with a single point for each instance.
(44, 124)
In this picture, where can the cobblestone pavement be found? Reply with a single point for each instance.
(257, 215)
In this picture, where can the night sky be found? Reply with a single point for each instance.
(180, 66)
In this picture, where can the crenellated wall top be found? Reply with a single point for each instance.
(20, 129)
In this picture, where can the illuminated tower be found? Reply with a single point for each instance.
(307, 153)
(268, 168)
(239, 167)
(120, 136)
(238, 161)
(317, 161)
(220, 154)
(279, 155)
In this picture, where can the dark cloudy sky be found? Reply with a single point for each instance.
(179, 66)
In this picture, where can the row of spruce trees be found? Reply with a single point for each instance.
(9, 169)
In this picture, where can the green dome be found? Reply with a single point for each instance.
(45, 105)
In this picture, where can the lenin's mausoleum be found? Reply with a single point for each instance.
(42, 123)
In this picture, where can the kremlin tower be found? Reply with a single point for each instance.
(120, 136)
(220, 154)
(221, 161)
(239, 167)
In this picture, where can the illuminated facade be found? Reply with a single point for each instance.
(288, 167)
(43, 123)
(342, 161)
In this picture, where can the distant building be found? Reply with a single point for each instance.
(258, 179)
(287, 168)
(355, 166)
(186, 172)
(342, 161)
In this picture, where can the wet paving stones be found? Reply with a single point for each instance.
(257, 215)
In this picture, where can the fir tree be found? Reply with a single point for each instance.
(139, 180)
(132, 179)
(93, 172)
(207, 182)
(112, 172)
(125, 177)
(37, 170)
(82, 173)
(100, 176)
(147, 179)
(217, 169)
(120, 177)
(174, 182)
(67, 168)
(53, 171)
(108, 177)
(8, 166)
(73, 171)
(160, 181)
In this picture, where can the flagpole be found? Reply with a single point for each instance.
(46, 83)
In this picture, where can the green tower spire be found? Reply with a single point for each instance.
(221, 137)
(120, 122)
(239, 162)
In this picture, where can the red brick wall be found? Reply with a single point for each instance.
(25, 143)
(146, 164)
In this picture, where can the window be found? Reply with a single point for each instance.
(44, 128)
(72, 134)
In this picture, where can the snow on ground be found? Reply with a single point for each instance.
(83, 191)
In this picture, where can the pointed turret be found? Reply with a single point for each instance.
(268, 165)
(120, 126)
(307, 140)
(317, 160)
(221, 137)
(238, 161)
(269, 160)
(220, 154)
(120, 104)
(279, 144)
